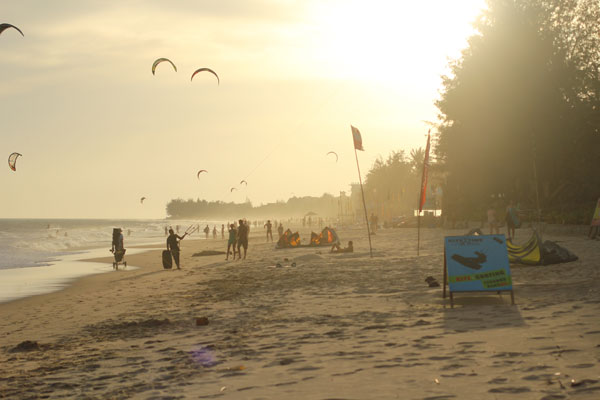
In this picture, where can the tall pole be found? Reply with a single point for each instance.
(423, 190)
(418, 231)
(364, 203)
(537, 192)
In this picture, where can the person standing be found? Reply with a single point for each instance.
(492, 220)
(231, 242)
(173, 245)
(242, 238)
(373, 223)
(269, 227)
(280, 230)
(206, 231)
(222, 231)
(214, 232)
(510, 220)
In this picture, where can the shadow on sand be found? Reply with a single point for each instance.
(477, 312)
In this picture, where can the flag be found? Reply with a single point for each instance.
(357, 138)
(424, 177)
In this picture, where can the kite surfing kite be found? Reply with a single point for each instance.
(142, 200)
(158, 61)
(243, 181)
(232, 189)
(335, 154)
(208, 70)
(12, 161)
(201, 171)
(3, 27)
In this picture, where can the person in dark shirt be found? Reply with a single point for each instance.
(231, 241)
(269, 227)
(173, 245)
(242, 238)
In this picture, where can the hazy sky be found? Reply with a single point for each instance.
(98, 131)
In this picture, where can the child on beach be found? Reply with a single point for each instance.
(231, 241)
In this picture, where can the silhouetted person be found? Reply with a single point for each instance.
(206, 231)
(173, 245)
(242, 238)
(269, 227)
(231, 242)
(280, 230)
(337, 249)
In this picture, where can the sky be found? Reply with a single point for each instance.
(97, 131)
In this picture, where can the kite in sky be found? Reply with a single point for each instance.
(158, 61)
(3, 27)
(208, 70)
(232, 189)
(335, 154)
(243, 181)
(201, 171)
(12, 161)
(142, 200)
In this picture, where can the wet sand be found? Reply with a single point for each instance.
(343, 326)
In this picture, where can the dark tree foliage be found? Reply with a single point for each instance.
(392, 186)
(524, 99)
(324, 206)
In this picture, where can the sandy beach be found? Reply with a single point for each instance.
(335, 326)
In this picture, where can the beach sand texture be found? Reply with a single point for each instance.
(343, 326)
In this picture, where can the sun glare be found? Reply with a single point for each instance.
(393, 41)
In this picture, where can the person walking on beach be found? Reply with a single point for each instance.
(232, 241)
(373, 223)
(206, 231)
(214, 232)
(222, 231)
(173, 245)
(511, 216)
(492, 220)
(280, 230)
(242, 238)
(269, 227)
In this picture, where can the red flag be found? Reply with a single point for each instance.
(357, 138)
(424, 177)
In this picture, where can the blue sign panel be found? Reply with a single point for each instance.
(477, 263)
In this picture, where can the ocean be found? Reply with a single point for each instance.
(41, 255)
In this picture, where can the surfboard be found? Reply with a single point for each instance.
(167, 260)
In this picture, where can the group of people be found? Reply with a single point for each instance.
(238, 238)
(510, 217)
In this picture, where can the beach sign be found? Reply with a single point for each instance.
(596, 217)
(476, 264)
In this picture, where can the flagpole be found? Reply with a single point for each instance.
(418, 230)
(423, 190)
(364, 202)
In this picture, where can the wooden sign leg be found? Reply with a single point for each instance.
(512, 298)
(445, 276)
